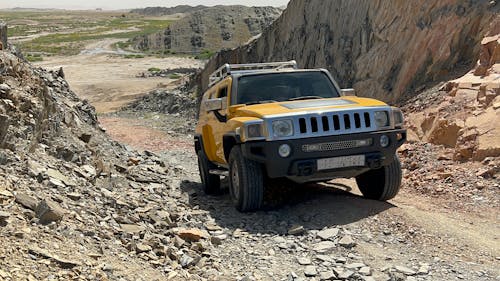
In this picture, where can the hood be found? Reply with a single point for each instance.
(306, 106)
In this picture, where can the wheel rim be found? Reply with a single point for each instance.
(235, 181)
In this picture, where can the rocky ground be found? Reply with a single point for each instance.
(119, 198)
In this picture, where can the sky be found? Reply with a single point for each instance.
(128, 4)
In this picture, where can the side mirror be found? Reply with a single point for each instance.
(348, 92)
(216, 104)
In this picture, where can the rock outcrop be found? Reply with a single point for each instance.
(166, 11)
(211, 29)
(464, 114)
(384, 49)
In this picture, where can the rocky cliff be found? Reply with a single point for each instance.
(384, 49)
(212, 29)
(165, 11)
(463, 114)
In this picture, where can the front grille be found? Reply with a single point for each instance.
(339, 145)
(329, 122)
(336, 123)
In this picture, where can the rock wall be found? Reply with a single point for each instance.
(463, 114)
(210, 29)
(384, 49)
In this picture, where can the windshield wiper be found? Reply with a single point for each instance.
(260, 102)
(305, 98)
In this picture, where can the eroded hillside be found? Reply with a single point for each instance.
(165, 11)
(384, 49)
(210, 29)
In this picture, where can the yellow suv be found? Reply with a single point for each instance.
(275, 120)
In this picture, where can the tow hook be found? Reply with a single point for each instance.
(305, 168)
(375, 161)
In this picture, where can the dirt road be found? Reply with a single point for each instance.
(108, 80)
(421, 234)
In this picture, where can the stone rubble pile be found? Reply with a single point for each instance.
(463, 114)
(75, 203)
(181, 101)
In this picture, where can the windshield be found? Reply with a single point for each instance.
(276, 87)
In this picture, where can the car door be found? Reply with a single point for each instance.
(220, 121)
(215, 124)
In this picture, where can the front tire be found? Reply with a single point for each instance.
(211, 183)
(246, 182)
(381, 184)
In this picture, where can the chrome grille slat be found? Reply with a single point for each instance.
(353, 125)
(329, 123)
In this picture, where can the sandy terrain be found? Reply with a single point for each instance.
(110, 81)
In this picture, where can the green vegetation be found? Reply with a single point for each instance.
(34, 57)
(130, 56)
(174, 76)
(154, 69)
(205, 55)
(122, 45)
(67, 32)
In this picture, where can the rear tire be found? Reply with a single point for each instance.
(211, 183)
(246, 182)
(381, 184)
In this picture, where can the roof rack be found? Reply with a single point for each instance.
(228, 69)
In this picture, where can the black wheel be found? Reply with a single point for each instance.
(381, 184)
(246, 182)
(211, 183)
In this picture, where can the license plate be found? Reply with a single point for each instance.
(341, 162)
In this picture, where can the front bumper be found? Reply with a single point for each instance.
(302, 165)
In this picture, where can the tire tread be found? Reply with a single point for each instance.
(251, 181)
(382, 184)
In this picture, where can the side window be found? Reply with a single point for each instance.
(222, 93)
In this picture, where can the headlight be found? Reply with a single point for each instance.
(252, 131)
(381, 118)
(398, 117)
(283, 128)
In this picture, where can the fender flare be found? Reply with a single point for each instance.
(229, 141)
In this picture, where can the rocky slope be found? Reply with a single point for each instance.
(463, 114)
(384, 49)
(181, 100)
(165, 11)
(74, 203)
(212, 29)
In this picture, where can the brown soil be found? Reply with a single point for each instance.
(141, 137)
(110, 81)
